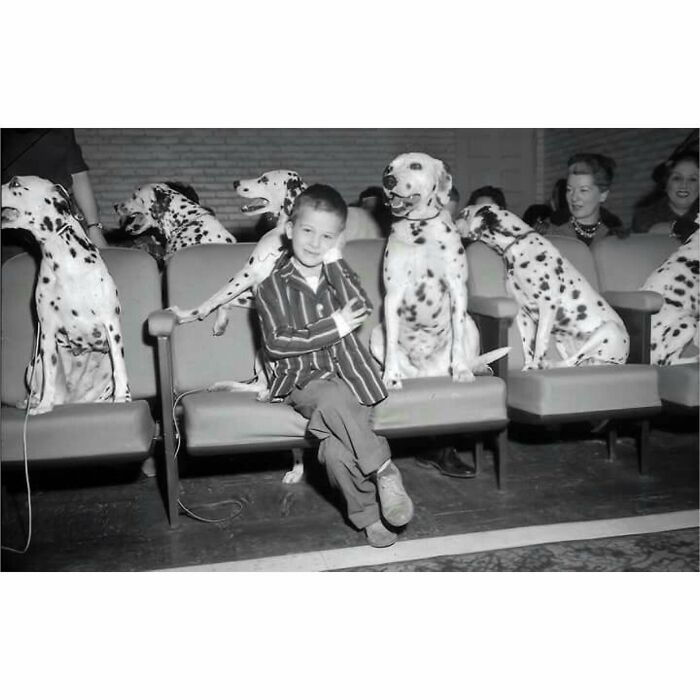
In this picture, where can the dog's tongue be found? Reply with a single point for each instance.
(253, 205)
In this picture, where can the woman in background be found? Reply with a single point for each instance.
(673, 204)
(588, 183)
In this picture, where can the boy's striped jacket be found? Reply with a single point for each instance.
(301, 340)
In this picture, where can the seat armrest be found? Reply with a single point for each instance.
(494, 307)
(161, 323)
(641, 300)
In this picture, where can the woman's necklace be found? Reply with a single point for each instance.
(585, 231)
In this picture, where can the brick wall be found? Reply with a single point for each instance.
(352, 159)
(636, 151)
(210, 159)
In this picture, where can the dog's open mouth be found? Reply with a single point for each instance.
(254, 205)
(400, 205)
(9, 214)
(132, 224)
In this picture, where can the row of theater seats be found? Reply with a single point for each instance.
(168, 375)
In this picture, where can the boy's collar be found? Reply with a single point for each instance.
(294, 278)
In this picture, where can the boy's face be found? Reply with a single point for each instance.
(313, 233)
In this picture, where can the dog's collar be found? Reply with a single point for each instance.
(427, 218)
(515, 240)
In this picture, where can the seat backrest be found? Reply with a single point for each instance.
(579, 255)
(624, 264)
(487, 278)
(194, 274)
(138, 282)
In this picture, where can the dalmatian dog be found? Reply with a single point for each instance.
(80, 355)
(554, 298)
(427, 330)
(274, 192)
(179, 220)
(675, 325)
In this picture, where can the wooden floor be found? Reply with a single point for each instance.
(113, 519)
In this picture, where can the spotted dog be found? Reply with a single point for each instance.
(675, 325)
(427, 330)
(554, 298)
(179, 221)
(274, 192)
(80, 356)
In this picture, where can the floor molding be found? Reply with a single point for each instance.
(407, 550)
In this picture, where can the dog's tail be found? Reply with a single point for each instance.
(481, 362)
(229, 385)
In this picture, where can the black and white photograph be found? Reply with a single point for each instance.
(279, 351)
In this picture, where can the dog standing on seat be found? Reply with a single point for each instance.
(427, 331)
(81, 350)
(553, 296)
(675, 325)
(274, 192)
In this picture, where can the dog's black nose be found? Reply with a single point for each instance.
(389, 182)
(235, 184)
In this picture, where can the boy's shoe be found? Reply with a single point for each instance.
(397, 507)
(379, 536)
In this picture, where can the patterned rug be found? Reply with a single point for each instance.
(676, 550)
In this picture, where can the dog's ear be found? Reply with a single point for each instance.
(444, 184)
(161, 202)
(295, 186)
(63, 202)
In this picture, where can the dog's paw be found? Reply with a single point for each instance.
(263, 395)
(392, 380)
(220, 326)
(41, 408)
(462, 374)
(182, 316)
(295, 475)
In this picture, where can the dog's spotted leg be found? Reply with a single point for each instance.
(528, 331)
(116, 350)
(49, 361)
(608, 344)
(671, 339)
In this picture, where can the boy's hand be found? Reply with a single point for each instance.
(336, 252)
(354, 318)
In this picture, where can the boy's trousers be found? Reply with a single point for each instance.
(349, 448)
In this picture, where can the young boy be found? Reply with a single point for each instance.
(309, 307)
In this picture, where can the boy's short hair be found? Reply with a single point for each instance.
(323, 197)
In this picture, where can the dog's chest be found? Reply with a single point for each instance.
(75, 297)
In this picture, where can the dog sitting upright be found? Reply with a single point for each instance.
(553, 296)
(81, 350)
(180, 221)
(675, 326)
(427, 331)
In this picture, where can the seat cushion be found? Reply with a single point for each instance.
(571, 391)
(678, 384)
(221, 421)
(439, 405)
(80, 433)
